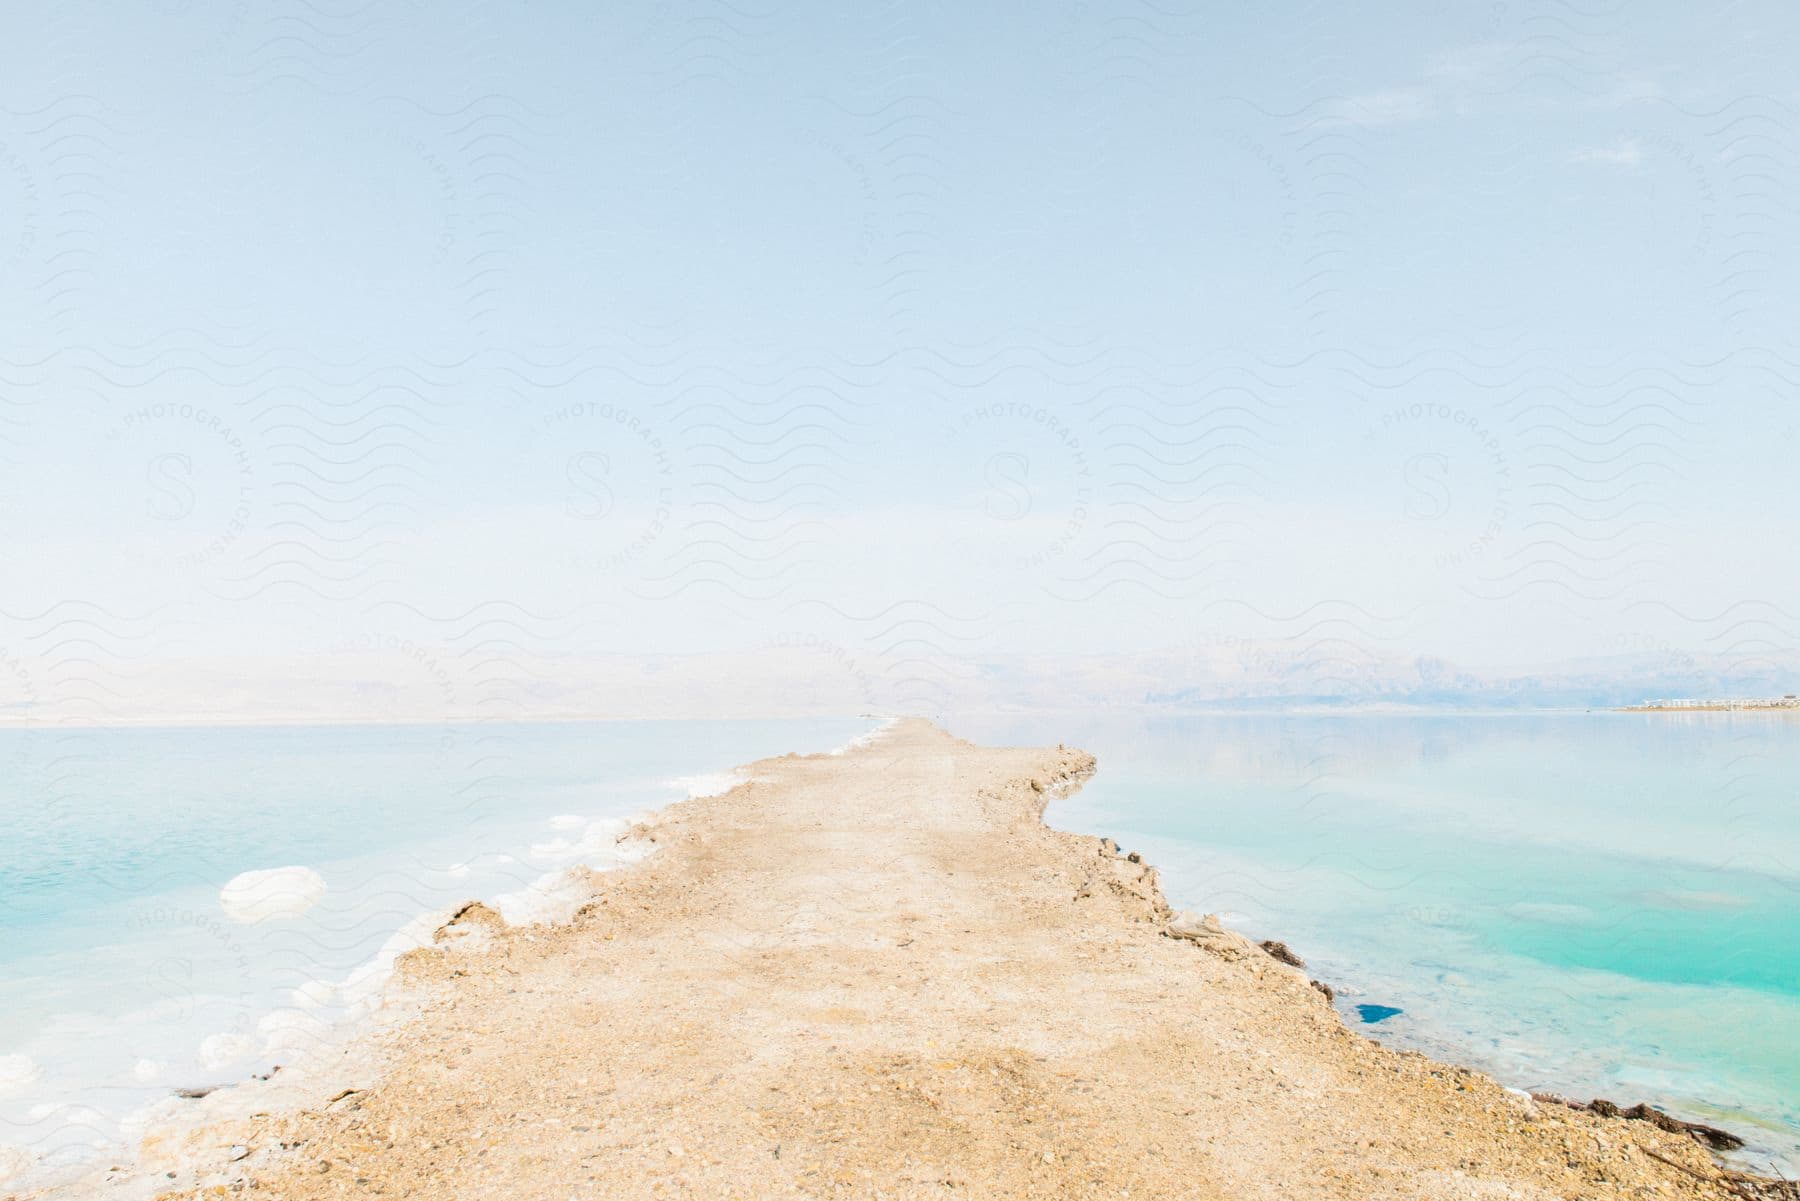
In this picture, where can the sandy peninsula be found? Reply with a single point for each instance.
(879, 975)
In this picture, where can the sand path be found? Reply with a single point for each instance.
(879, 975)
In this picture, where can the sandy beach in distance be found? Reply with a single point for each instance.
(878, 974)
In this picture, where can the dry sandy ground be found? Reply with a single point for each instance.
(879, 975)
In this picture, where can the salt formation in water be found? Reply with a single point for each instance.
(708, 784)
(260, 896)
(223, 1050)
(18, 1073)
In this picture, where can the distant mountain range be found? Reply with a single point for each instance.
(427, 684)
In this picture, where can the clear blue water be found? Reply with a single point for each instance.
(1595, 904)
(1598, 904)
(122, 976)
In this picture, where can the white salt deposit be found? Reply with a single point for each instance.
(594, 845)
(708, 784)
(17, 1074)
(551, 898)
(315, 993)
(223, 1050)
(862, 740)
(287, 1032)
(362, 989)
(277, 892)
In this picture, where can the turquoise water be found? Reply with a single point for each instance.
(1595, 904)
(122, 975)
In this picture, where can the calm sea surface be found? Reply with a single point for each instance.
(122, 975)
(1598, 904)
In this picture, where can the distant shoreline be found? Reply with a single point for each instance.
(1783, 705)
(41, 723)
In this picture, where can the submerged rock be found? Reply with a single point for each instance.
(1377, 1013)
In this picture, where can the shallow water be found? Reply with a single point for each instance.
(1594, 904)
(123, 976)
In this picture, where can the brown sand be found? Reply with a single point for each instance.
(879, 975)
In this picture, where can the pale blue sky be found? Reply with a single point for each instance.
(1095, 326)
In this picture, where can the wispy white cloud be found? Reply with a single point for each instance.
(1389, 106)
(1483, 77)
(1624, 153)
(1473, 64)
